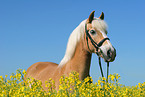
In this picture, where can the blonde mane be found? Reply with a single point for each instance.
(77, 34)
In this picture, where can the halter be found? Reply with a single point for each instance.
(97, 46)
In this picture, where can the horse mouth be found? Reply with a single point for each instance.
(109, 56)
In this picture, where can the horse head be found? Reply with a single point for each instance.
(96, 38)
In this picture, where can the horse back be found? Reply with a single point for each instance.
(41, 70)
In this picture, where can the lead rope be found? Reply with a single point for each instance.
(107, 70)
(97, 46)
(102, 69)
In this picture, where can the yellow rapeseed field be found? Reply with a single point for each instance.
(71, 86)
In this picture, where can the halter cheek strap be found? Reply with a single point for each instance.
(97, 46)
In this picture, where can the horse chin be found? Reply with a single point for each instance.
(106, 59)
(100, 54)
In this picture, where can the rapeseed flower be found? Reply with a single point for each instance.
(69, 86)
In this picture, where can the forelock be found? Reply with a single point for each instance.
(99, 24)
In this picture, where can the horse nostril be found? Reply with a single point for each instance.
(109, 53)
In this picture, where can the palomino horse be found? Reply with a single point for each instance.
(89, 37)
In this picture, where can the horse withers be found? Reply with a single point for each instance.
(87, 38)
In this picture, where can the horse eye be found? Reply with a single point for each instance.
(92, 32)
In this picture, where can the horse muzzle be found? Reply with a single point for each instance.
(108, 55)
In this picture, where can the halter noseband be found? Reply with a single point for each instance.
(97, 46)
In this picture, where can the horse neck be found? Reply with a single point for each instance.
(80, 62)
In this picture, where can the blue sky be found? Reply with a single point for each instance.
(32, 31)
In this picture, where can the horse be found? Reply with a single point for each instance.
(90, 36)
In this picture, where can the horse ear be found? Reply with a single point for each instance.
(91, 17)
(102, 16)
